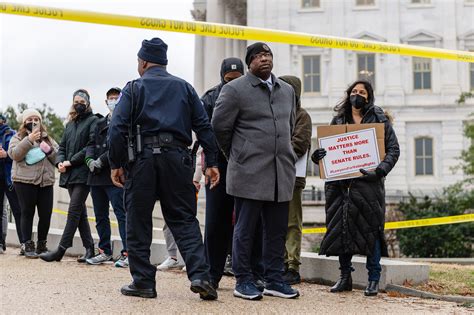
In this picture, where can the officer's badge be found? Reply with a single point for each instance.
(233, 67)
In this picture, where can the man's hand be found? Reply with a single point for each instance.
(118, 177)
(95, 165)
(67, 164)
(197, 185)
(3, 153)
(213, 176)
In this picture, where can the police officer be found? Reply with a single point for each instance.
(163, 110)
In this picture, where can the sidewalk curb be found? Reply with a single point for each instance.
(428, 295)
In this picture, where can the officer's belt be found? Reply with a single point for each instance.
(156, 141)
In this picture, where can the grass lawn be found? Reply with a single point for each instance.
(450, 280)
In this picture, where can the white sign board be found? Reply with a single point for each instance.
(301, 165)
(349, 152)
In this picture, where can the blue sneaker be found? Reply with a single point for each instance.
(280, 289)
(247, 290)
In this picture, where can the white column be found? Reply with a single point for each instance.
(392, 65)
(214, 47)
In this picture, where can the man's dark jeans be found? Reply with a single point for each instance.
(10, 193)
(101, 196)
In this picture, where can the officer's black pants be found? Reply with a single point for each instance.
(274, 220)
(219, 228)
(169, 177)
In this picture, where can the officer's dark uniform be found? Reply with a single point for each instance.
(164, 105)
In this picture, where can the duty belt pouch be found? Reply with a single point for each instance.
(165, 139)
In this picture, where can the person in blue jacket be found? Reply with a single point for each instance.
(6, 187)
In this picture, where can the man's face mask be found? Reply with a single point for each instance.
(111, 103)
(357, 101)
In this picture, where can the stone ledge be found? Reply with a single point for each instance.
(325, 270)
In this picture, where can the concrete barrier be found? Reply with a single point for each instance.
(325, 270)
(320, 269)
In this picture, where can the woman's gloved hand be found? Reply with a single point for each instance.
(318, 154)
(371, 176)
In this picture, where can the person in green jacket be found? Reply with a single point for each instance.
(74, 172)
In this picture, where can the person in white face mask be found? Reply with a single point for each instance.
(103, 191)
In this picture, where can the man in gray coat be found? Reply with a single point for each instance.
(253, 122)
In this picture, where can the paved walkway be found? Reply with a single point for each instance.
(34, 286)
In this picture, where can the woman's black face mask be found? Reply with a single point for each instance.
(357, 101)
(80, 108)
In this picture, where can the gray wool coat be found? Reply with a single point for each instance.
(253, 127)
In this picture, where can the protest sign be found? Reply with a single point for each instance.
(350, 148)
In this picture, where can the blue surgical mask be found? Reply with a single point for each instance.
(111, 104)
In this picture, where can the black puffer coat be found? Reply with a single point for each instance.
(355, 208)
(73, 149)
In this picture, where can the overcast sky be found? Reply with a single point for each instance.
(45, 61)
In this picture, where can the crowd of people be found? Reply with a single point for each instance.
(245, 136)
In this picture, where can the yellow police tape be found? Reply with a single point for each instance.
(412, 223)
(233, 31)
(388, 225)
(112, 223)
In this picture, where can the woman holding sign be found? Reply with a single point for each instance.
(355, 208)
(33, 153)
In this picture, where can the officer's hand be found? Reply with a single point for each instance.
(3, 153)
(197, 185)
(213, 176)
(318, 155)
(118, 177)
(370, 176)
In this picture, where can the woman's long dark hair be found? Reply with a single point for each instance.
(343, 109)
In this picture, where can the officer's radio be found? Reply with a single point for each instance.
(134, 142)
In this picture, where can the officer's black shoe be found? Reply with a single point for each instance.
(343, 284)
(214, 284)
(260, 285)
(204, 288)
(372, 288)
(55, 255)
(132, 290)
(90, 252)
(291, 277)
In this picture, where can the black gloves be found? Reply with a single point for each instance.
(371, 176)
(318, 154)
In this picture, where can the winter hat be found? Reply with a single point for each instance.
(3, 118)
(27, 113)
(154, 51)
(254, 49)
(231, 64)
